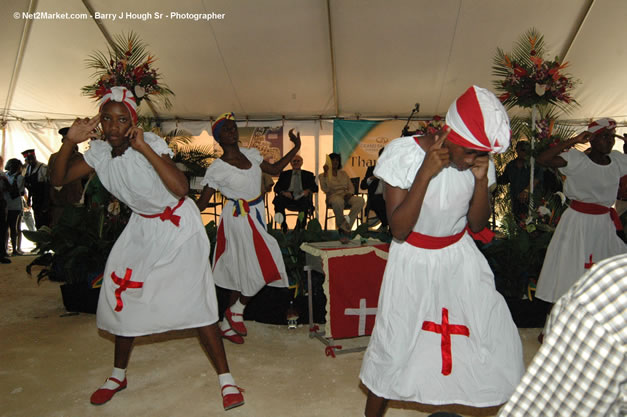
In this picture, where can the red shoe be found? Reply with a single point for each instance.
(237, 326)
(232, 400)
(234, 338)
(102, 395)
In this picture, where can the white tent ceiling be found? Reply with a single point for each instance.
(310, 58)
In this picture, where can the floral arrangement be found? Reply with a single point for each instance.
(127, 64)
(527, 79)
(548, 131)
(546, 215)
(426, 127)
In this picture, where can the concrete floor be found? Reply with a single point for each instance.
(50, 363)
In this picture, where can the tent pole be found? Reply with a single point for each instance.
(18, 59)
(574, 36)
(332, 52)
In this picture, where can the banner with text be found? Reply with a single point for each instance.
(359, 142)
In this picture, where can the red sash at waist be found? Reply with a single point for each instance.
(591, 208)
(168, 214)
(433, 242)
(436, 242)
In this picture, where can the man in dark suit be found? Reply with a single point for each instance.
(293, 191)
(376, 202)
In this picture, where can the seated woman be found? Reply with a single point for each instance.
(340, 195)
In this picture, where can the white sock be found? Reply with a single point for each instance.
(119, 374)
(238, 308)
(225, 326)
(227, 379)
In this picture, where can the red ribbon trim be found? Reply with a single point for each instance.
(167, 214)
(446, 330)
(123, 285)
(220, 244)
(591, 208)
(330, 350)
(269, 269)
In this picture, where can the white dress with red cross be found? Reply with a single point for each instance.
(442, 334)
(582, 239)
(157, 277)
(246, 256)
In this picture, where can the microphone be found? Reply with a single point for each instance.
(405, 131)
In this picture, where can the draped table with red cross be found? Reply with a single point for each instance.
(353, 274)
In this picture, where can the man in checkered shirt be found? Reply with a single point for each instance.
(580, 368)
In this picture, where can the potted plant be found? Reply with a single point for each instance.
(74, 251)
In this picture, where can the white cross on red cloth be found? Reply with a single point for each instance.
(362, 312)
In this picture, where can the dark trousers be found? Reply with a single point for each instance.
(376, 203)
(14, 218)
(4, 231)
(302, 205)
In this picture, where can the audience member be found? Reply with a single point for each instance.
(15, 202)
(36, 181)
(67, 194)
(340, 193)
(516, 174)
(375, 194)
(293, 191)
(4, 228)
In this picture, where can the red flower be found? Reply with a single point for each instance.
(101, 91)
(520, 71)
(437, 118)
(504, 96)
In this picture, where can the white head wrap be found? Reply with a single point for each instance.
(598, 125)
(121, 95)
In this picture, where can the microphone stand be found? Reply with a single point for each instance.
(405, 131)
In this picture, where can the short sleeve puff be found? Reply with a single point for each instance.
(215, 176)
(99, 151)
(399, 162)
(157, 144)
(574, 159)
(253, 155)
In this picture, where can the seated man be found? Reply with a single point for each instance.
(340, 195)
(293, 191)
(376, 202)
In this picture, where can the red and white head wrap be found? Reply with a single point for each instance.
(478, 121)
(602, 124)
(121, 95)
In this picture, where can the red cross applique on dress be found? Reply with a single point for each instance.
(123, 285)
(446, 330)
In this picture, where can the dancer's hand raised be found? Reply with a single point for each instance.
(295, 138)
(437, 157)
(135, 136)
(83, 129)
